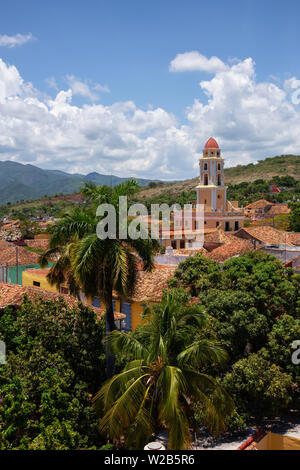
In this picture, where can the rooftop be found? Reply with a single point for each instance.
(211, 144)
(150, 285)
(218, 236)
(267, 235)
(260, 204)
(13, 294)
(8, 255)
(229, 250)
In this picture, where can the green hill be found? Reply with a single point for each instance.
(265, 169)
(22, 182)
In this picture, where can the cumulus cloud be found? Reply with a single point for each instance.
(250, 119)
(84, 89)
(191, 61)
(16, 40)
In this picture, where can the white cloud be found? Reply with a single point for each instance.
(84, 89)
(51, 83)
(16, 40)
(191, 61)
(250, 119)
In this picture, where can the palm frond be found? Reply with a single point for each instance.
(202, 352)
(127, 344)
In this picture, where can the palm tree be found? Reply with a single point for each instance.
(98, 267)
(162, 383)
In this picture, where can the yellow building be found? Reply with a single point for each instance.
(149, 289)
(212, 192)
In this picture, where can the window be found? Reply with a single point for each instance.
(219, 196)
(236, 225)
(227, 226)
(218, 153)
(182, 243)
(173, 244)
(126, 309)
(205, 166)
(96, 302)
(212, 154)
(205, 180)
(219, 180)
(217, 224)
(219, 166)
(205, 201)
(36, 284)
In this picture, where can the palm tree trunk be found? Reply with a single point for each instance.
(109, 327)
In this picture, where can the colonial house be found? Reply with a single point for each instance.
(148, 290)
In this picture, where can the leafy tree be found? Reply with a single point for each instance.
(197, 273)
(98, 266)
(258, 387)
(55, 362)
(163, 379)
(238, 324)
(274, 288)
(294, 216)
(278, 349)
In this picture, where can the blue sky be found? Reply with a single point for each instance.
(122, 50)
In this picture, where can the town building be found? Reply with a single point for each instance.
(148, 290)
(212, 194)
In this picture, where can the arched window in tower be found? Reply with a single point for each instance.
(205, 180)
(219, 180)
(219, 166)
(205, 166)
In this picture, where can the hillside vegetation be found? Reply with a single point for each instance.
(265, 169)
(22, 182)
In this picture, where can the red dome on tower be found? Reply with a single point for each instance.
(211, 144)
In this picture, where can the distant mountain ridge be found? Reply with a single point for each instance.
(21, 182)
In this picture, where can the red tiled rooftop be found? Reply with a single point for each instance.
(260, 204)
(266, 234)
(13, 294)
(227, 251)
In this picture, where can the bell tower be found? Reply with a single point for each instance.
(212, 190)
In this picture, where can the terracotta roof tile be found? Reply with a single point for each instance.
(8, 255)
(13, 294)
(265, 234)
(235, 248)
(218, 236)
(150, 285)
(278, 209)
(260, 204)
